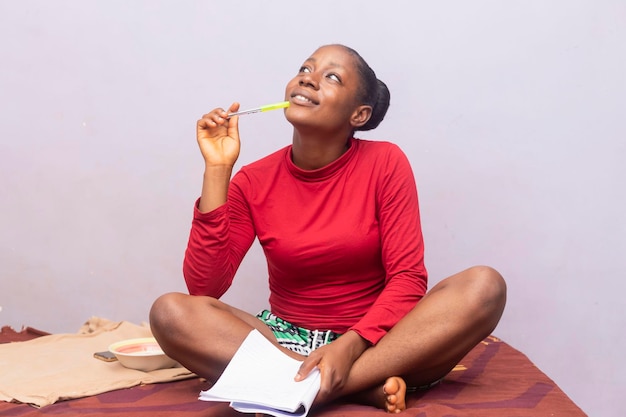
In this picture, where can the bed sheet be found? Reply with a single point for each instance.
(494, 379)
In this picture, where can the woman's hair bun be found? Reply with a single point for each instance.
(379, 107)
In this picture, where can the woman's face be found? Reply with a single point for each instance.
(324, 92)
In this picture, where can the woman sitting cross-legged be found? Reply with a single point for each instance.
(338, 220)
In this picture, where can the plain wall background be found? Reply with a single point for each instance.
(512, 114)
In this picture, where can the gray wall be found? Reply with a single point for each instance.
(509, 111)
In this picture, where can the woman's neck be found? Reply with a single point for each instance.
(314, 152)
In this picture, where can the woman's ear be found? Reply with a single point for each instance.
(361, 115)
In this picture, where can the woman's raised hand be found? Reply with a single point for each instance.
(218, 137)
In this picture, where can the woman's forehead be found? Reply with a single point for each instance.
(336, 54)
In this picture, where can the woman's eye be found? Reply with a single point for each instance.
(334, 77)
(305, 69)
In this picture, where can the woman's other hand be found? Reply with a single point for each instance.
(334, 362)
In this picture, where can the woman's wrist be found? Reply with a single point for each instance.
(214, 187)
(218, 170)
(355, 343)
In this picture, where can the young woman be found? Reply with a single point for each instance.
(338, 220)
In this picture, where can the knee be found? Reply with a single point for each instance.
(175, 312)
(167, 310)
(488, 287)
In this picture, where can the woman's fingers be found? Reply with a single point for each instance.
(218, 117)
(233, 107)
(307, 366)
(214, 118)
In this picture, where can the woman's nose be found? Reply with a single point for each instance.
(308, 80)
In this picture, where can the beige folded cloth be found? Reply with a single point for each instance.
(61, 366)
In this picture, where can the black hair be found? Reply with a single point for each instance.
(373, 92)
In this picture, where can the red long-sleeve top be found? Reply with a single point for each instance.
(343, 243)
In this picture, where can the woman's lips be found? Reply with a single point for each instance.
(302, 98)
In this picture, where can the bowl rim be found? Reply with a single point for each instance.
(113, 347)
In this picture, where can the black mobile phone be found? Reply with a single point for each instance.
(106, 356)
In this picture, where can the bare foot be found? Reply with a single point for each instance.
(391, 398)
(395, 394)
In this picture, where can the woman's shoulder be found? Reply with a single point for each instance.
(377, 145)
(267, 161)
(379, 148)
(258, 171)
(385, 158)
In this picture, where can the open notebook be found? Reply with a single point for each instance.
(260, 379)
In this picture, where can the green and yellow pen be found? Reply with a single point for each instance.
(267, 107)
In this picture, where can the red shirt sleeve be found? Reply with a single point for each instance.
(402, 250)
(218, 241)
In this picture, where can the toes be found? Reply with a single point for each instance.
(395, 389)
(391, 386)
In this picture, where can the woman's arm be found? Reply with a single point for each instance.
(215, 249)
(402, 249)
